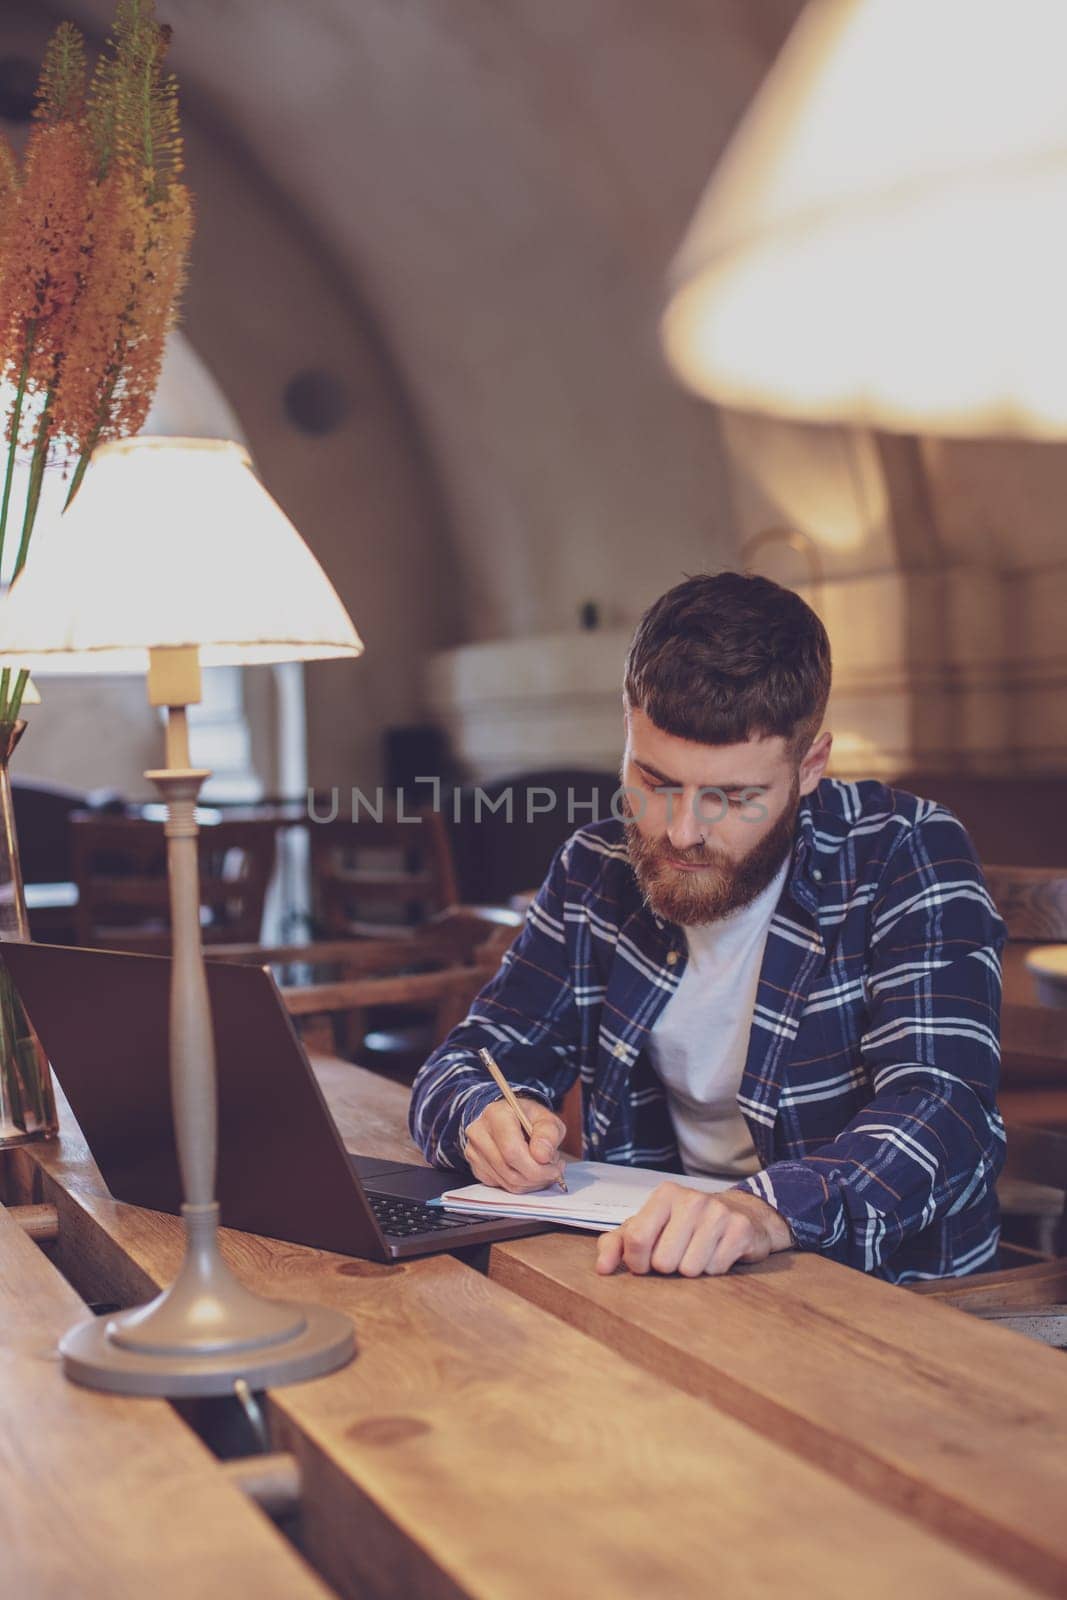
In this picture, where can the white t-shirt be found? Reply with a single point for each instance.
(699, 1043)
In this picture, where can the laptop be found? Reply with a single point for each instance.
(102, 1017)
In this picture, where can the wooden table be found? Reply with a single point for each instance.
(542, 1432)
(1047, 968)
(89, 1483)
(910, 1399)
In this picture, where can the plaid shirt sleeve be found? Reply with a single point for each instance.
(526, 1015)
(930, 1142)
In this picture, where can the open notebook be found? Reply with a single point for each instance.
(600, 1196)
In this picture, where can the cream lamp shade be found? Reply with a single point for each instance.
(170, 543)
(885, 239)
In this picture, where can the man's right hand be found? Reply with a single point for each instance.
(498, 1154)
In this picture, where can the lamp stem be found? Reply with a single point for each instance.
(206, 1330)
(192, 1043)
(178, 742)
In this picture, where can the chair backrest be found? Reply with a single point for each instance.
(1032, 901)
(42, 823)
(120, 868)
(1037, 1155)
(460, 936)
(1033, 1043)
(374, 879)
(504, 834)
(446, 992)
(1008, 819)
(478, 934)
(1033, 1038)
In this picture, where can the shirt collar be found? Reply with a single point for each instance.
(806, 873)
(822, 828)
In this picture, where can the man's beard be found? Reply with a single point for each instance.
(689, 898)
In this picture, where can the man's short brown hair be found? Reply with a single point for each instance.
(728, 656)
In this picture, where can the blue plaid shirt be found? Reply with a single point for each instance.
(870, 1081)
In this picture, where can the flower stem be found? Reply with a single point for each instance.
(9, 1058)
(16, 422)
(33, 493)
(10, 713)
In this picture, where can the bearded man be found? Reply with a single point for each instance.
(757, 973)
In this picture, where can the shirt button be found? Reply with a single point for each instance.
(816, 874)
(672, 957)
(619, 1050)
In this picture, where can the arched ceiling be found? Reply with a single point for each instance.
(504, 182)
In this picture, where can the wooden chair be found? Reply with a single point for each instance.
(1009, 819)
(120, 869)
(434, 1002)
(458, 936)
(417, 989)
(1029, 1299)
(1033, 903)
(505, 833)
(380, 879)
(1032, 1298)
(42, 823)
(1033, 1093)
(42, 827)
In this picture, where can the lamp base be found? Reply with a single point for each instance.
(206, 1331)
(93, 1357)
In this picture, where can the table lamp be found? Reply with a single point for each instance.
(173, 555)
(883, 241)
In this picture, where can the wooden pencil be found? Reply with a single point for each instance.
(506, 1090)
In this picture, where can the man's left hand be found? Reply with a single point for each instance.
(685, 1230)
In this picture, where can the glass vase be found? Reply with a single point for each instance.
(27, 1100)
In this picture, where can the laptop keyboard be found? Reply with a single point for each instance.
(400, 1219)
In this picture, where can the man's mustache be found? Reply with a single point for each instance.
(664, 855)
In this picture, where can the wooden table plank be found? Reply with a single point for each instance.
(904, 1400)
(961, 1425)
(370, 1111)
(479, 1447)
(104, 1496)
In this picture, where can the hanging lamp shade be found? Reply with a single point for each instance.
(885, 239)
